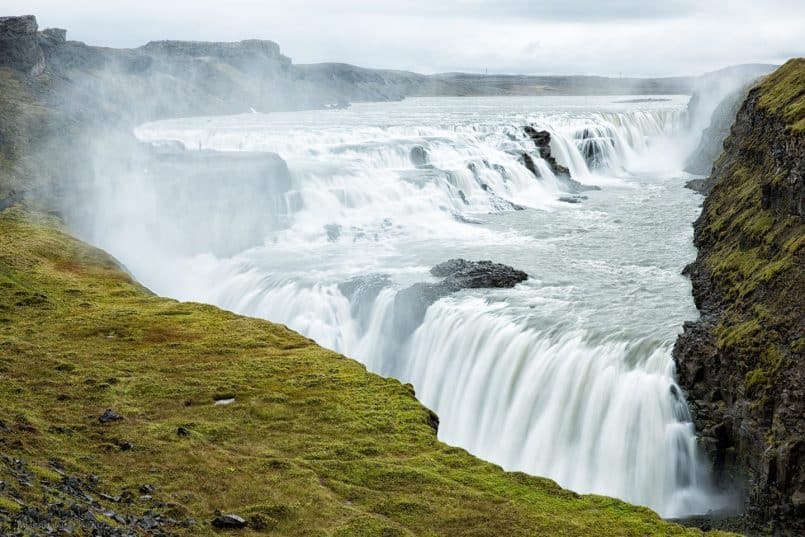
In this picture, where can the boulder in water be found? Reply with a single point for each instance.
(411, 303)
(465, 274)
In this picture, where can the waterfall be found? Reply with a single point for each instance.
(569, 375)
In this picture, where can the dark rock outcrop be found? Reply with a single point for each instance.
(743, 362)
(542, 139)
(109, 416)
(411, 303)
(463, 274)
(19, 45)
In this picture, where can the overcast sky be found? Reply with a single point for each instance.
(606, 37)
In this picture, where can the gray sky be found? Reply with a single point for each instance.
(605, 37)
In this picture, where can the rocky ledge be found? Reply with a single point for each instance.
(19, 45)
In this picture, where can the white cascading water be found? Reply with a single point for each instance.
(568, 375)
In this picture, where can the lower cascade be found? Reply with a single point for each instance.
(332, 222)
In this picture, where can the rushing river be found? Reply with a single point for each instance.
(567, 375)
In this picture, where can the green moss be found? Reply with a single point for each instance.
(8, 505)
(742, 335)
(756, 377)
(783, 93)
(754, 256)
(43, 472)
(313, 444)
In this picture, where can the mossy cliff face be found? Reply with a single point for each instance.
(743, 361)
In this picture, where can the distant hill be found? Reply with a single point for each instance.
(183, 78)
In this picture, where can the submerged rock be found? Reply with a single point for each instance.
(333, 232)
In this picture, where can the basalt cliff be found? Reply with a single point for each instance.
(743, 362)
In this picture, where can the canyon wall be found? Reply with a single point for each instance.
(742, 361)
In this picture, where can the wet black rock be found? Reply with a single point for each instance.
(529, 163)
(433, 420)
(542, 139)
(229, 521)
(109, 416)
(362, 291)
(474, 274)
(411, 303)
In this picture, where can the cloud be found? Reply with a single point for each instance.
(629, 37)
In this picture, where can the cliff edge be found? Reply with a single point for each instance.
(742, 362)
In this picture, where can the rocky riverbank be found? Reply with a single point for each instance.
(742, 362)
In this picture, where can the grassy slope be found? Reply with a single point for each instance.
(784, 93)
(313, 442)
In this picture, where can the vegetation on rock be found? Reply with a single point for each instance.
(742, 362)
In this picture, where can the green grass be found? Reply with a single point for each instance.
(784, 93)
(313, 444)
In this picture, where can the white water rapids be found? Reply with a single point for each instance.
(568, 375)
